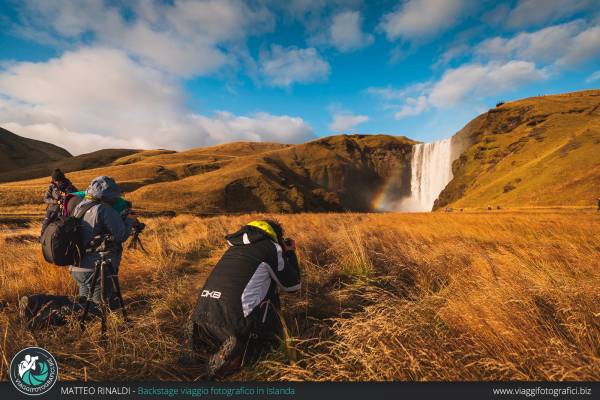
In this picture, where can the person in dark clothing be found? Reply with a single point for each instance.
(55, 194)
(99, 220)
(598, 204)
(237, 314)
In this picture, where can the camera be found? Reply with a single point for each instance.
(138, 227)
(100, 243)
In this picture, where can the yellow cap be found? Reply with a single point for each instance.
(264, 226)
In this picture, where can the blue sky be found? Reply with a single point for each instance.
(94, 74)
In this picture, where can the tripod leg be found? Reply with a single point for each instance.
(89, 299)
(103, 297)
(117, 288)
(142, 246)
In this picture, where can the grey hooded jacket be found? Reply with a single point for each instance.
(102, 219)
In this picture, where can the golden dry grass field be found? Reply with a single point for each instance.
(437, 296)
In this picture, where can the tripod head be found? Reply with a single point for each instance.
(137, 228)
(136, 242)
(101, 244)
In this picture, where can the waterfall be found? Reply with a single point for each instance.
(431, 170)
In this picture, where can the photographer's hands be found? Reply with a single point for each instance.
(133, 217)
(289, 244)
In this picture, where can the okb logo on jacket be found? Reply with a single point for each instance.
(33, 371)
(214, 294)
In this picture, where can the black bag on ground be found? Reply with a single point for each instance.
(41, 311)
(61, 240)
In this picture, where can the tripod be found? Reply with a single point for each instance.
(136, 242)
(103, 271)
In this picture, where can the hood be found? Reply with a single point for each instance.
(64, 186)
(254, 232)
(58, 175)
(103, 188)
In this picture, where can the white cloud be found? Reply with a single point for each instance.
(387, 93)
(529, 13)
(418, 19)
(345, 121)
(97, 98)
(259, 128)
(286, 66)
(479, 81)
(593, 77)
(451, 54)
(184, 38)
(93, 89)
(585, 46)
(466, 83)
(566, 44)
(390, 93)
(498, 15)
(346, 32)
(314, 15)
(413, 106)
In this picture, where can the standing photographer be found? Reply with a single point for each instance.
(54, 196)
(101, 220)
(237, 315)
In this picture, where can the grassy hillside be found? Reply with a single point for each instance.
(77, 163)
(463, 296)
(17, 152)
(540, 151)
(329, 174)
(134, 169)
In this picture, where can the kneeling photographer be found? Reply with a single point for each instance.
(100, 220)
(238, 315)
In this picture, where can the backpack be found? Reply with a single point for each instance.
(70, 201)
(61, 240)
(41, 311)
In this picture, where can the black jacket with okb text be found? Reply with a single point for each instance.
(245, 281)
